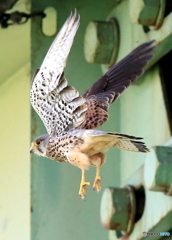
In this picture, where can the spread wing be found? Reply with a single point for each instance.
(59, 105)
(110, 86)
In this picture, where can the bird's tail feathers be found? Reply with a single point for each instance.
(130, 143)
(105, 140)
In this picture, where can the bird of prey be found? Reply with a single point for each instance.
(70, 118)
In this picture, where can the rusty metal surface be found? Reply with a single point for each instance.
(146, 115)
(147, 13)
(158, 174)
(118, 207)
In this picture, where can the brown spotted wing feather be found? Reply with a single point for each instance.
(110, 86)
(96, 114)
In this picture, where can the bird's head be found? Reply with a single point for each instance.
(39, 145)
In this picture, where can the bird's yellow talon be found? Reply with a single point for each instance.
(97, 185)
(82, 190)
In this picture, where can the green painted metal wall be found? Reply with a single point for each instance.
(57, 210)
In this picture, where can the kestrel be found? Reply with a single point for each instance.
(70, 118)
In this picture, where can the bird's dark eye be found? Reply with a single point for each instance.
(37, 143)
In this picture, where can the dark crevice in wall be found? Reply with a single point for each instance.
(166, 79)
(168, 7)
(140, 202)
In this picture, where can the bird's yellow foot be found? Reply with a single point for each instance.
(97, 185)
(82, 190)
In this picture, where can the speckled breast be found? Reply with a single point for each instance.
(60, 147)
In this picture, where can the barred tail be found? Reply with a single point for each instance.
(130, 143)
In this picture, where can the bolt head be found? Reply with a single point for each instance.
(146, 12)
(101, 41)
(117, 210)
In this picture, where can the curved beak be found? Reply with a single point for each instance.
(31, 150)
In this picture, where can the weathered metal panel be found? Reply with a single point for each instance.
(142, 106)
(143, 113)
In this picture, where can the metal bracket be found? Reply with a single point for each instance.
(8, 19)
